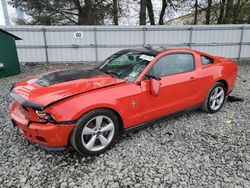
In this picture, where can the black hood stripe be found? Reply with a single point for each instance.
(67, 75)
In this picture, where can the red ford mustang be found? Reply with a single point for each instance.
(89, 108)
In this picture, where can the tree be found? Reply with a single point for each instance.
(163, 10)
(233, 11)
(229, 12)
(222, 9)
(143, 8)
(66, 12)
(150, 12)
(115, 12)
(237, 10)
(99, 12)
(196, 12)
(208, 11)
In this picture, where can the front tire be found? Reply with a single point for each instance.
(215, 98)
(95, 132)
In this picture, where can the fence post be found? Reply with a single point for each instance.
(241, 40)
(144, 36)
(190, 36)
(45, 45)
(96, 51)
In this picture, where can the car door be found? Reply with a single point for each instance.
(178, 88)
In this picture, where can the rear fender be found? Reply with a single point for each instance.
(229, 74)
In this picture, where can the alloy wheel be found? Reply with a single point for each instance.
(98, 133)
(217, 98)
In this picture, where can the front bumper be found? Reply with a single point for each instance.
(47, 134)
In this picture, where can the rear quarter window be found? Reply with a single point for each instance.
(206, 60)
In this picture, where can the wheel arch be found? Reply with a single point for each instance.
(117, 114)
(119, 117)
(224, 82)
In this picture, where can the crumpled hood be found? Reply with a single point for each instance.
(48, 88)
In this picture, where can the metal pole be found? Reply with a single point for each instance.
(5, 12)
(144, 36)
(45, 45)
(241, 40)
(190, 37)
(96, 51)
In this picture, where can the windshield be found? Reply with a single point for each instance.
(126, 65)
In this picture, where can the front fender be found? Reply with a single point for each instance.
(74, 107)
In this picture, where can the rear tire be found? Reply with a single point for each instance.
(215, 99)
(95, 132)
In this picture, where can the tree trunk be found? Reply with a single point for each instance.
(150, 12)
(163, 9)
(115, 12)
(195, 12)
(236, 12)
(222, 10)
(208, 11)
(143, 7)
(85, 13)
(229, 12)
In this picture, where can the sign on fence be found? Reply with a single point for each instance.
(78, 35)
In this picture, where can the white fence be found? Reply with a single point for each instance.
(71, 44)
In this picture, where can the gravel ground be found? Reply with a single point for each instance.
(194, 149)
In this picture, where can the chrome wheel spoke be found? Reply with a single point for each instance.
(108, 127)
(219, 102)
(104, 141)
(91, 142)
(220, 94)
(87, 131)
(99, 120)
(213, 104)
(216, 91)
(212, 98)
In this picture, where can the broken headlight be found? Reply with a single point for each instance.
(44, 115)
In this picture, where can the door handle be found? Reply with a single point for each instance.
(192, 78)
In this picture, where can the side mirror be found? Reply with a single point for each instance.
(150, 76)
(155, 87)
(155, 84)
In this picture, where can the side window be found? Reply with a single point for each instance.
(173, 64)
(206, 60)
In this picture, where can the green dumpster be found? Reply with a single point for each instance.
(9, 64)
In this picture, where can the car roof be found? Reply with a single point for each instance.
(149, 50)
(155, 50)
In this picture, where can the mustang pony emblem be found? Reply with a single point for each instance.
(133, 104)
